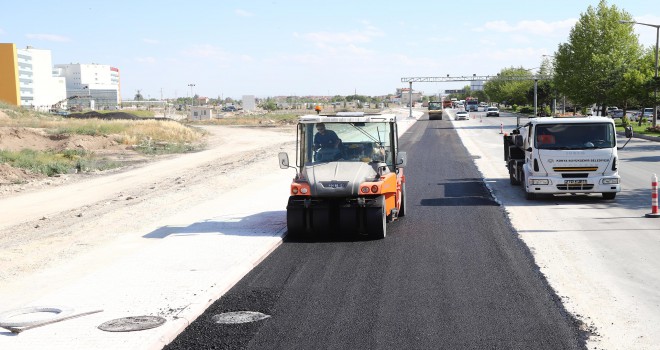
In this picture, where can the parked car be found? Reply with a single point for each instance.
(647, 112)
(618, 114)
(229, 109)
(612, 109)
(492, 112)
(631, 114)
(462, 115)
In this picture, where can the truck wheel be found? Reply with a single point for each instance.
(349, 221)
(321, 219)
(295, 221)
(609, 195)
(512, 179)
(402, 209)
(376, 219)
(528, 195)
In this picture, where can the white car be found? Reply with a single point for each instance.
(492, 111)
(462, 115)
(632, 115)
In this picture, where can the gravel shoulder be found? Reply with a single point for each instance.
(48, 224)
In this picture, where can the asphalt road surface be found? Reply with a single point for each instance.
(452, 274)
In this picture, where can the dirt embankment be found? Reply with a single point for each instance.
(15, 139)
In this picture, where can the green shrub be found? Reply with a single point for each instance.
(51, 163)
(625, 121)
(93, 127)
(547, 110)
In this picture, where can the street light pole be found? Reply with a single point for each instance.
(410, 100)
(655, 93)
(536, 104)
(554, 100)
(536, 84)
(192, 97)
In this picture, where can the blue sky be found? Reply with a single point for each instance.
(269, 48)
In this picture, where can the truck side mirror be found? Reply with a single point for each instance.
(629, 134)
(284, 160)
(629, 131)
(518, 140)
(401, 159)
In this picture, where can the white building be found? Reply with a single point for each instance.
(38, 87)
(97, 85)
(403, 95)
(201, 113)
(249, 103)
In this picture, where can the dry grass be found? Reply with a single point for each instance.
(148, 136)
(266, 119)
(128, 132)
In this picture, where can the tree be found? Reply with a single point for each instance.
(481, 95)
(269, 104)
(467, 91)
(642, 82)
(510, 86)
(591, 66)
(338, 98)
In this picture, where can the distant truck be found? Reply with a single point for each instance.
(447, 103)
(472, 105)
(564, 155)
(435, 110)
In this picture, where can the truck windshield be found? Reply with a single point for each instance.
(359, 142)
(575, 136)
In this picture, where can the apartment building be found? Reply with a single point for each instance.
(26, 78)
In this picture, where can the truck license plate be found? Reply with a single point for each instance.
(334, 184)
(569, 182)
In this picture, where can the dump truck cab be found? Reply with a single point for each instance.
(564, 155)
(349, 177)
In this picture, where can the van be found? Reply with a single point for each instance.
(647, 112)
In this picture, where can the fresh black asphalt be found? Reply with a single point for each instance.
(452, 274)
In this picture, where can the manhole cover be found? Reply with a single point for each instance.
(237, 317)
(132, 323)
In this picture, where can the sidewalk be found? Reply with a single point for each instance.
(175, 270)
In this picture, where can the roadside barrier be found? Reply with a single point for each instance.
(654, 198)
(501, 128)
